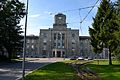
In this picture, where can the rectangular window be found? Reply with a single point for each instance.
(73, 35)
(63, 36)
(45, 43)
(54, 44)
(58, 44)
(54, 36)
(44, 35)
(59, 36)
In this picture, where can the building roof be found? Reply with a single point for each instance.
(32, 37)
(84, 37)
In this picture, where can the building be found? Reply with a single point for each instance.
(32, 46)
(85, 47)
(59, 41)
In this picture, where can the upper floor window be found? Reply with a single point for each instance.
(59, 36)
(32, 41)
(45, 43)
(54, 44)
(44, 34)
(73, 35)
(54, 36)
(63, 36)
(28, 41)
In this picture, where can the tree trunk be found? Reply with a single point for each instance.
(110, 59)
(9, 50)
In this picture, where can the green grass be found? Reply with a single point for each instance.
(63, 71)
(105, 71)
(54, 71)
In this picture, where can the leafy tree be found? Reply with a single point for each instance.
(11, 12)
(104, 27)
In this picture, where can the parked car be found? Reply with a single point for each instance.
(89, 58)
(80, 58)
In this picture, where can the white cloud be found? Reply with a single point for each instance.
(35, 15)
(22, 0)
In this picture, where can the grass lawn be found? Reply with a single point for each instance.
(63, 71)
(105, 71)
(54, 71)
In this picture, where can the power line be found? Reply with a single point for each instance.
(80, 20)
(74, 9)
(89, 11)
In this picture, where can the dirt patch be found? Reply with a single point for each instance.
(84, 72)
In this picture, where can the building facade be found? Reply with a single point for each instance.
(86, 49)
(32, 46)
(59, 41)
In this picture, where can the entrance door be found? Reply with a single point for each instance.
(63, 54)
(53, 53)
(58, 53)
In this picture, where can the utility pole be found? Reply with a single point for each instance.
(24, 45)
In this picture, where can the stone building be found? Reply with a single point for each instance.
(86, 47)
(59, 41)
(32, 46)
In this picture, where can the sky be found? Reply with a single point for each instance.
(41, 14)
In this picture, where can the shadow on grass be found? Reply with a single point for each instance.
(55, 71)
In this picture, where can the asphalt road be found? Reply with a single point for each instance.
(13, 70)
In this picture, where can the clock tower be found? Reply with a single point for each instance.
(60, 20)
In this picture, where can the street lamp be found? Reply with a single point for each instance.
(24, 45)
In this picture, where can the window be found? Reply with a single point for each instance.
(63, 45)
(54, 36)
(63, 36)
(58, 44)
(54, 44)
(32, 41)
(44, 47)
(59, 36)
(44, 35)
(73, 35)
(73, 43)
(28, 41)
(45, 43)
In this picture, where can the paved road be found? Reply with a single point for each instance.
(13, 71)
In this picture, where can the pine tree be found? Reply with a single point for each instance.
(104, 27)
(117, 33)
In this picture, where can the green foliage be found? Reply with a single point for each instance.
(105, 26)
(11, 12)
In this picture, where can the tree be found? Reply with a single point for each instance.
(11, 12)
(117, 33)
(104, 26)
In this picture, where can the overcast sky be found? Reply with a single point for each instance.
(41, 14)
